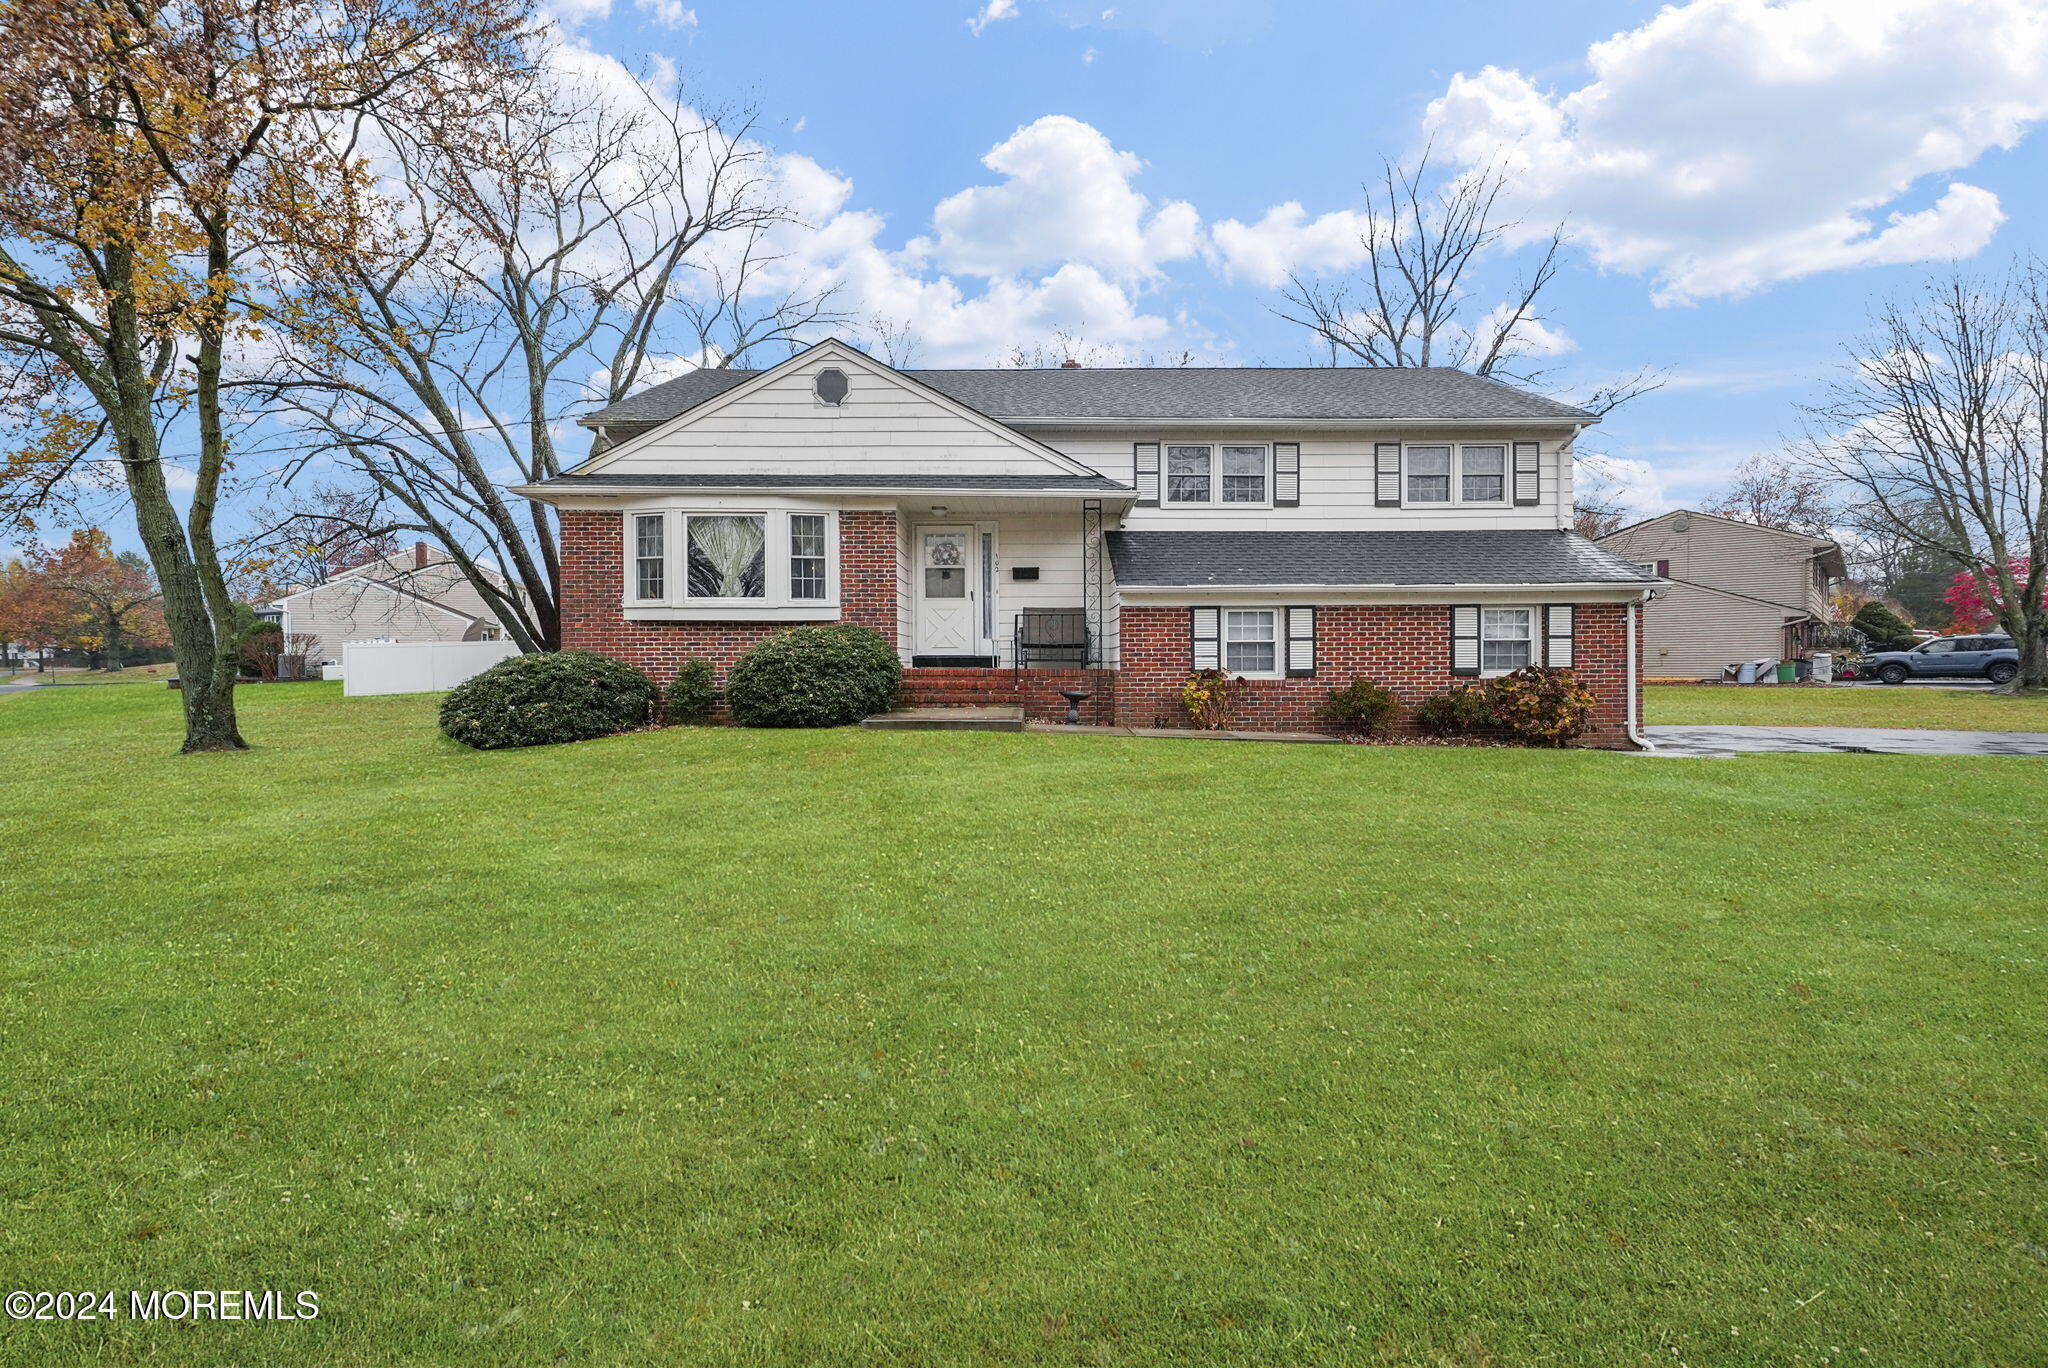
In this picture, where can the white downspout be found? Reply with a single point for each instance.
(1629, 727)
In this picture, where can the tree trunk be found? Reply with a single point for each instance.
(2033, 657)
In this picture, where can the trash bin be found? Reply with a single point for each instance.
(1787, 672)
(1823, 667)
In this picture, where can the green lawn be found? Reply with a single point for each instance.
(715, 1047)
(1908, 705)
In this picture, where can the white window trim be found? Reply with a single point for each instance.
(1215, 499)
(1279, 640)
(1535, 638)
(1458, 499)
(775, 601)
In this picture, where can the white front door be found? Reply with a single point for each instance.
(947, 583)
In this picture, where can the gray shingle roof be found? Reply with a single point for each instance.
(1307, 392)
(1052, 479)
(1534, 556)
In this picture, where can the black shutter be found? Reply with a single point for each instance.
(1204, 627)
(1286, 474)
(1386, 475)
(1301, 642)
(1528, 475)
(1145, 465)
(1557, 632)
(1465, 639)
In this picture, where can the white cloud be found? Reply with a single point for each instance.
(993, 12)
(1088, 57)
(668, 13)
(1066, 197)
(572, 13)
(1726, 145)
(1287, 240)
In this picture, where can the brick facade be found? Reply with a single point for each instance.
(594, 578)
(1405, 647)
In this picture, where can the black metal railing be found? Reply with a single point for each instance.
(1051, 636)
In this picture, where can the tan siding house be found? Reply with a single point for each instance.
(1738, 591)
(418, 594)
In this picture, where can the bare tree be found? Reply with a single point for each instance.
(148, 149)
(1597, 507)
(1412, 302)
(536, 263)
(1772, 491)
(1939, 426)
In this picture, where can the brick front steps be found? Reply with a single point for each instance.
(995, 719)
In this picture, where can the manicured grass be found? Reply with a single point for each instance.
(716, 1047)
(1907, 705)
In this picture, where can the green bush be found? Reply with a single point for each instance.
(1540, 705)
(1363, 707)
(823, 676)
(690, 694)
(1460, 711)
(539, 700)
(1884, 627)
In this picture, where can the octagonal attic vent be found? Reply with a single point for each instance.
(831, 386)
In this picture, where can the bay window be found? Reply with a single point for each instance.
(1507, 639)
(733, 565)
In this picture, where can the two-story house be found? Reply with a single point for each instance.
(1738, 591)
(1016, 532)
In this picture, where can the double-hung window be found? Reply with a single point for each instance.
(1429, 474)
(650, 555)
(1507, 639)
(1188, 473)
(1483, 474)
(1193, 475)
(1251, 639)
(1244, 474)
(807, 556)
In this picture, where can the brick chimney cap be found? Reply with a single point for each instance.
(1070, 364)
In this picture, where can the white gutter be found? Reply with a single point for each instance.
(546, 495)
(1300, 424)
(1523, 587)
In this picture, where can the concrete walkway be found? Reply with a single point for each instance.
(1721, 741)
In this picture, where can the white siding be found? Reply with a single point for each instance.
(1336, 479)
(885, 426)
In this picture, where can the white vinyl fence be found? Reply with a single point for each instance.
(393, 667)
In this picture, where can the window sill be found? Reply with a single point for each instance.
(732, 612)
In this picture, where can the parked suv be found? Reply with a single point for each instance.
(1993, 657)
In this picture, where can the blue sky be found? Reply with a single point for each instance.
(1743, 178)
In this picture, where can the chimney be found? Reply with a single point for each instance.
(1070, 364)
(419, 555)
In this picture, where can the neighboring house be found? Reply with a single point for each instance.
(417, 594)
(1739, 591)
(1016, 532)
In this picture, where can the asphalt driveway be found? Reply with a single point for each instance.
(1722, 740)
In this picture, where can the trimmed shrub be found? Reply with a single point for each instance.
(1883, 626)
(1540, 705)
(1363, 707)
(1209, 698)
(823, 676)
(1460, 711)
(690, 694)
(539, 700)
